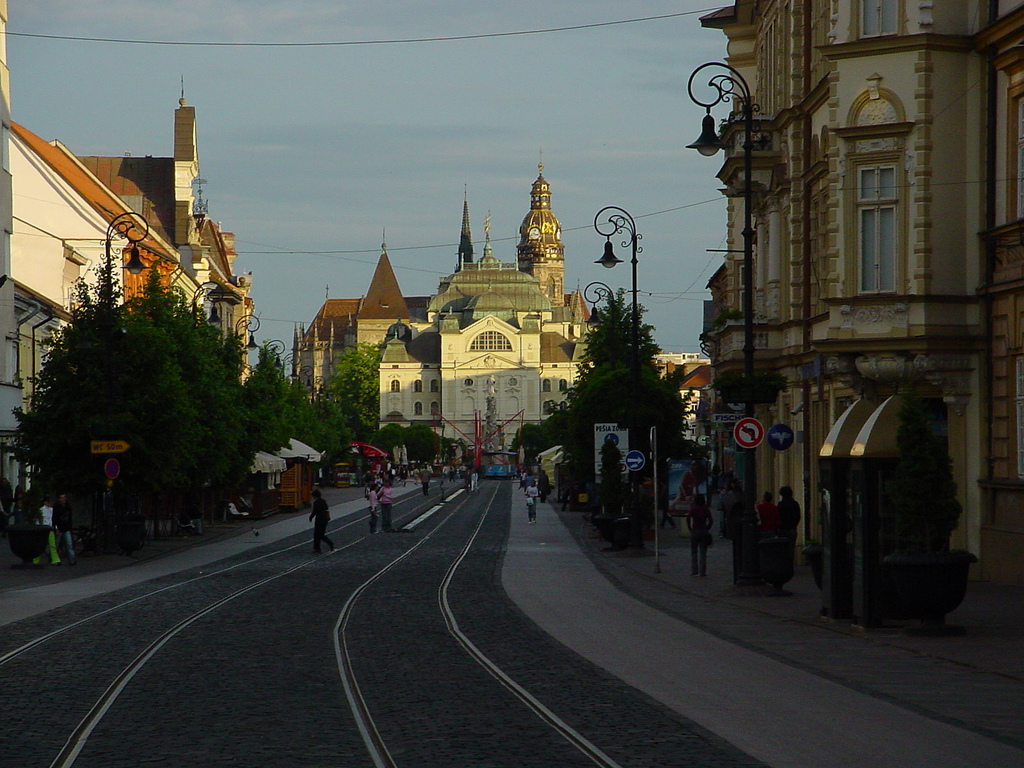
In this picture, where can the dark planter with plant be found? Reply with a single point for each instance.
(28, 541)
(776, 560)
(931, 580)
(761, 388)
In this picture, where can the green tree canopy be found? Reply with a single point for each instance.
(603, 393)
(355, 389)
(150, 373)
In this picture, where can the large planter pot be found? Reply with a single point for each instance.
(131, 535)
(28, 542)
(776, 560)
(931, 585)
(614, 530)
(815, 556)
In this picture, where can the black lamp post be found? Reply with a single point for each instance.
(248, 324)
(133, 228)
(725, 86)
(618, 220)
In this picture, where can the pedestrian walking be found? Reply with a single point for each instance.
(424, 476)
(663, 505)
(320, 516)
(64, 524)
(532, 493)
(386, 498)
(768, 515)
(46, 518)
(6, 505)
(789, 512)
(700, 523)
(371, 497)
(544, 486)
(19, 504)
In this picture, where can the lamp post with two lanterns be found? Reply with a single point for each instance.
(726, 85)
(619, 221)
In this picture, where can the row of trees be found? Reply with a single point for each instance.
(152, 373)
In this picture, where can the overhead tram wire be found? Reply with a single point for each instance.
(341, 254)
(343, 43)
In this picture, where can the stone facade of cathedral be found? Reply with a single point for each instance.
(496, 346)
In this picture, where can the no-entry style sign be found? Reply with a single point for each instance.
(112, 468)
(748, 432)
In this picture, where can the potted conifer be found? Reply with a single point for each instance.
(931, 579)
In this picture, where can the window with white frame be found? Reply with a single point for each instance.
(1020, 416)
(879, 17)
(876, 204)
(491, 341)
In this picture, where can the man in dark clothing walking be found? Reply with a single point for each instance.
(789, 512)
(320, 516)
(63, 523)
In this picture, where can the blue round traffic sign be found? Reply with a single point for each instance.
(635, 461)
(112, 468)
(780, 437)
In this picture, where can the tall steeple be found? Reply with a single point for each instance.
(465, 239)
(540, 248)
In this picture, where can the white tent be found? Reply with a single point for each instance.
(299, 450)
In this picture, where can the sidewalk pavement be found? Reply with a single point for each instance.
(767, 674)
(993, 614)
(974, 681)
(56, 584)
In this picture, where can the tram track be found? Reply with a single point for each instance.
(344, 601)
(14, 653)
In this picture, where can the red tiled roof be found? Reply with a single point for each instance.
(384, 300)
(150, 180)
(102, 199)
(698, 377)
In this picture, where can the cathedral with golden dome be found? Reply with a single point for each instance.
(497, 345)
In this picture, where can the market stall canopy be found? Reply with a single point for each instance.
(370, 451)
(552, 455)
(268, 462)
(299, 450)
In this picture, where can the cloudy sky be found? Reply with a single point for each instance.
(311, 152)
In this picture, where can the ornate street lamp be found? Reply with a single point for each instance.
(619, 221)
(592, 294)
(250, 324)
(729, 85)
(133, 228)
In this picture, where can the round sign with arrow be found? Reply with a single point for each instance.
(748, 432)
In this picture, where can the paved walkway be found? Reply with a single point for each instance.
(767, 673)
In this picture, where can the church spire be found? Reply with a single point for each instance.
(465, 238)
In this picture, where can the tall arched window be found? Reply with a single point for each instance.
(435, 408)
(563, 385)
(545, 386)
(490, 341)
(396, 385)
(417, 408)
(417, 386)
(433, 385)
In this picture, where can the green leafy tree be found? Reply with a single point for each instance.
(602, 393)
(356, 389)
(923, 492)
(150, 373)
(421, 443)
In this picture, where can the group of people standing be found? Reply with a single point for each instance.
(779, 519)
(59, 519)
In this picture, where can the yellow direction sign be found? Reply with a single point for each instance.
(109, 446)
